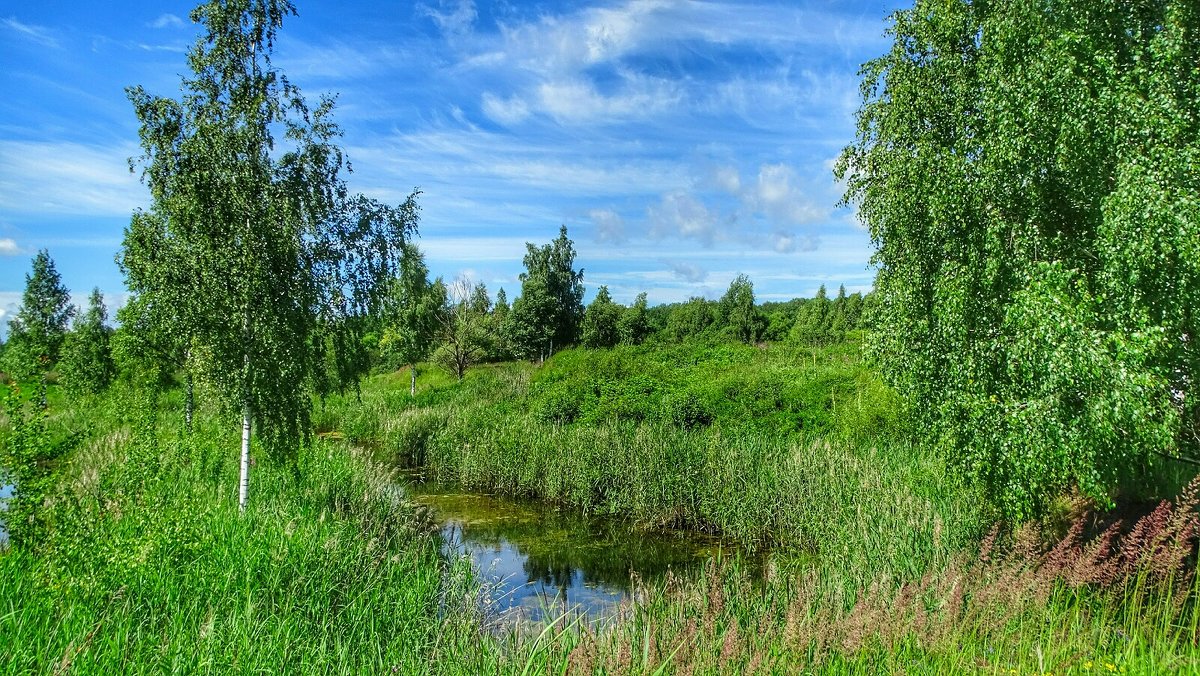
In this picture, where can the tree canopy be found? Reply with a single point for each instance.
(87, 363)
(252, 242)
(1027, 172)
(37, 332)
(548, 314)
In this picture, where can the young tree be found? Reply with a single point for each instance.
(414, 313)
(553, 288)
(467, 329)
(812, 320)
(531, 328)
(252, 243)
(1027, 173)
(634, 325)
(691, 318)
(738, 312)
(87, 363)
(37, 332)
(600, 321)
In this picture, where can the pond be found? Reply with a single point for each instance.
(537, 561)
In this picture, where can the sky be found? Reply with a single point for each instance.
(680, 143)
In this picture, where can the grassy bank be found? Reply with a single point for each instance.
(143, 563)
(769, 446)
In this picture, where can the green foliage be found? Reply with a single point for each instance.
(1027, 173)
(634, 325)
(660, 434)
(601, 321)
(412, 311)
(87, 364)
(691, 319)
(549, 313)
(530, 327)
(37, 332)
(146, 565)
(738, 313)
(467, 329)
(252, 246)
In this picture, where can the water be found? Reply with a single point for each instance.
(6, 491)
(538, 561)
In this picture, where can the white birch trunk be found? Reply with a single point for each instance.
(244, 479)
(412, 392)
(189, 402)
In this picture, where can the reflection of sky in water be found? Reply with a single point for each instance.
(538, 560)
(527, 595)
(6, 492)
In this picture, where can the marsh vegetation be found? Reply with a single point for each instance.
(985, 464)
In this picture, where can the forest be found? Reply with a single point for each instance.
(986, 464)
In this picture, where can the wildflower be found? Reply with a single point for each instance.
(1110, 666)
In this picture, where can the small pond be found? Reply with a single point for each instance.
(537, 560)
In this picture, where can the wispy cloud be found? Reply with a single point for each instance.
(609, 226)
(37, 34)
(38, 177)
(688, 272)
(167, 21)
(453, 20)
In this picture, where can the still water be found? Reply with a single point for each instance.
(537, 561)
(6, 491)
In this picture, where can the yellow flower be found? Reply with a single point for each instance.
(1110, 666)
(1087, 665)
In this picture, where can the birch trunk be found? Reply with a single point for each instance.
(412, 391)
(244, 478)
(189, 403)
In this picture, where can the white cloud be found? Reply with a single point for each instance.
(457, 21)
(680, 214)
(166, 21)
(727, 179)
(777, 195)
(68, 178)
(8, 247)
(688, 272)
(508, 111)
(39, 34)
(576, 100)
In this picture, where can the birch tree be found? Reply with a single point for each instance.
(251, 240)
(413, 314)
(1028, 174)
(87, 363)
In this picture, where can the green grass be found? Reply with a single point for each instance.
(763, 445)
(146, 566)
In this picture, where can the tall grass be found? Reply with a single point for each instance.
(774, 451)
(1120, 602)
(145, 565)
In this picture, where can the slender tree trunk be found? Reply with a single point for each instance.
(412, 391)
(244, 478)
(244, 475)
(189, 402)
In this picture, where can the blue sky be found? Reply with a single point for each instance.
(680, 142)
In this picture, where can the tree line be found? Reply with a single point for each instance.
(418, 320)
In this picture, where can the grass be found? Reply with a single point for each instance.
(144, 564)
(769, 448)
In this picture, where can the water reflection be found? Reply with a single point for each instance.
(6, 491)
(540, 561)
